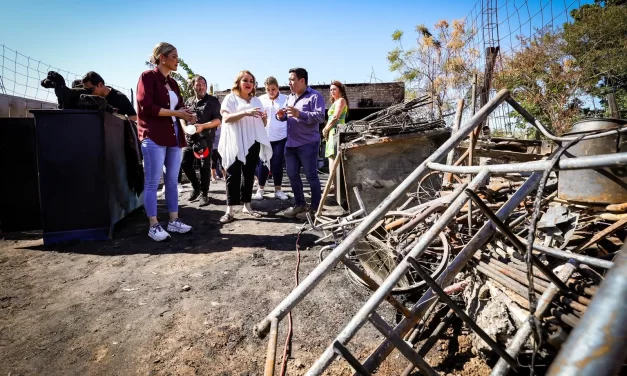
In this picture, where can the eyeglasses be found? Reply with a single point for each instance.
(249, 81)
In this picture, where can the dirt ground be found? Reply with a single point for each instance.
(118, 308)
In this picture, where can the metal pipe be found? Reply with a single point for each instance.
(360, 201)
(448, 275)
(519, 268)
(447, 179)
(564, 317)
(517, 243)
(597, 345)
(402, 346)
(517, 276)
(390, 282)
(374, 285)
(520, 338)
(354, 236)
(502, 279)
(579, 163)
(422, 216)
(271, 354)
(533, 121)
(461, 314)
(565, 255)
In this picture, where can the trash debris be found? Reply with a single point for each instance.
(186, 288)
(522, 246)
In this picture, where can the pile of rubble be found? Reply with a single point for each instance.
(535, 247)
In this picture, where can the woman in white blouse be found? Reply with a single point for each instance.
(243, 142)
(272, 101)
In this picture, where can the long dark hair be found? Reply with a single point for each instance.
(342, 90)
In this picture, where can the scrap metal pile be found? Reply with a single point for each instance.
(412, 116)
(538, 248)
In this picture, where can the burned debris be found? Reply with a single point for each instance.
(528, 252)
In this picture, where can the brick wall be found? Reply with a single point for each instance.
(377, 95)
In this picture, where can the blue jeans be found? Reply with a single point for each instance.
(155, 159)
(276, 164)
(307, 157)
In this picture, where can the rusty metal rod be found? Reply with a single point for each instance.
(502, 279)
(515, 268)
(578, 286)
(420, 217)
(564, 317)
(517, 276)
(374, 285)
(461, 314)
(573, 304)
(271, 353)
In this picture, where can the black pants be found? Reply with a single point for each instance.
(216, 160)
(238, 191)
(205, 171)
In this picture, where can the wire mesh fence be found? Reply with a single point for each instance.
(20, 76)
(501, 26)
(500, 31)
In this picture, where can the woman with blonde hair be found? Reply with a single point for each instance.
(159, 108)
(243, 141)
(337, 115)
(272, 102)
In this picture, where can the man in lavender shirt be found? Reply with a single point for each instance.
(304, 111)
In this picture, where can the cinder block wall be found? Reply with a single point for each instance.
(364, 95)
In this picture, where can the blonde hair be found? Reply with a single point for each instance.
(238, 79)
(271, 81)
(160, 49)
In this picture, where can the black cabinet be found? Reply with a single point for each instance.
(83, 181)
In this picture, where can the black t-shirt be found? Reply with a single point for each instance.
(206, 110)
(118, 100)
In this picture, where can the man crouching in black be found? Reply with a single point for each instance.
(207, 110)
(115, 98)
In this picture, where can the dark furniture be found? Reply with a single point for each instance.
(83, 182)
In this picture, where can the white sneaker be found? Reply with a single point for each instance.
(280, 195)
(157, 233)
(258, 195)
(178, 226)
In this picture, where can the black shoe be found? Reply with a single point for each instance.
(194, 195)
(204, 200)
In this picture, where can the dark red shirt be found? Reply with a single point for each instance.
(152, 96)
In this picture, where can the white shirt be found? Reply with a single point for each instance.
(174, 100)
(236, 138)
(277, 130)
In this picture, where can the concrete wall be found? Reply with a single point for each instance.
(365, 95)
(12, 106)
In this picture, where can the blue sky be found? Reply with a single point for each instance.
(342, 40)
